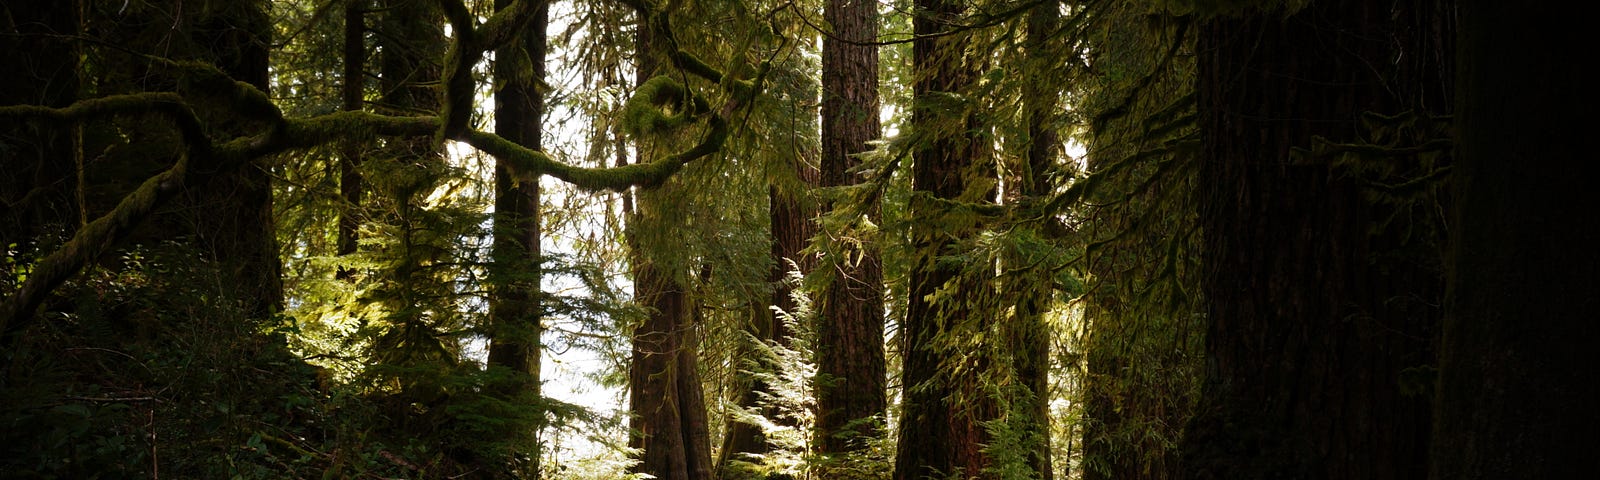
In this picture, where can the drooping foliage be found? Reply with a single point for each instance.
(773, 239)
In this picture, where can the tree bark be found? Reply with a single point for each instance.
(233, 212)
(850, 385)
(1027, 335)
(519, 111)
(353, 99)
(1517, 366)
(791, 228)
(1315, 308)
(669, 423)
(941, 429)
(514, 310)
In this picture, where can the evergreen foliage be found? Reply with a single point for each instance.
(855, 239)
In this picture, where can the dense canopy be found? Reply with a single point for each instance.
(831, 239)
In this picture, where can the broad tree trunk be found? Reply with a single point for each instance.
(941, 429)
(233, 212)
(850, 385)
(1518, 364)
(666, 402)
(1316, 307)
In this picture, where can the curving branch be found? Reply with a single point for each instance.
(200, 80)
(467, 50)
(288, 134)
(98, 236)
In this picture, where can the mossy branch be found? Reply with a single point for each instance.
(659, 106)
(466, 51)
(594, 179)
(286, 134)
(458, 84)
(98, 236)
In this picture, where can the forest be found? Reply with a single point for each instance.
(796, 239)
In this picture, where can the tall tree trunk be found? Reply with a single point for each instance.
(666, 402)
(519, 110)
(941, 429)
(234, 211)
(352, 99)
(514, 309)
(1315, 310)
(1138, 312)
(850, 385)
(1027, 336)
(1518, 368)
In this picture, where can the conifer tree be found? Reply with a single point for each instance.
(515, 308)
(1516, 364)
(666, 401)
(850, 384)
(1142, 300)
(1309, 289)
(943, 406)
(352, 99)
(1027, 336)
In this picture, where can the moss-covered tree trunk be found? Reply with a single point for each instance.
(514, 309)
(231, 213)
(666, 403)
(519, 110)
(1518, 363)
(1140, 307)
(850, 386)
(1027, 335)
(943, 407)
(1317, 308)
(244, 36)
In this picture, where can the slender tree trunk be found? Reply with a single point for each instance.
(515, 312)
(791, 229)
(1518, 365)
(353, 99)
(1315, 308)
(666, 402)
(850, 383)
(1027, 334)
(941, 429)
(519, 109)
